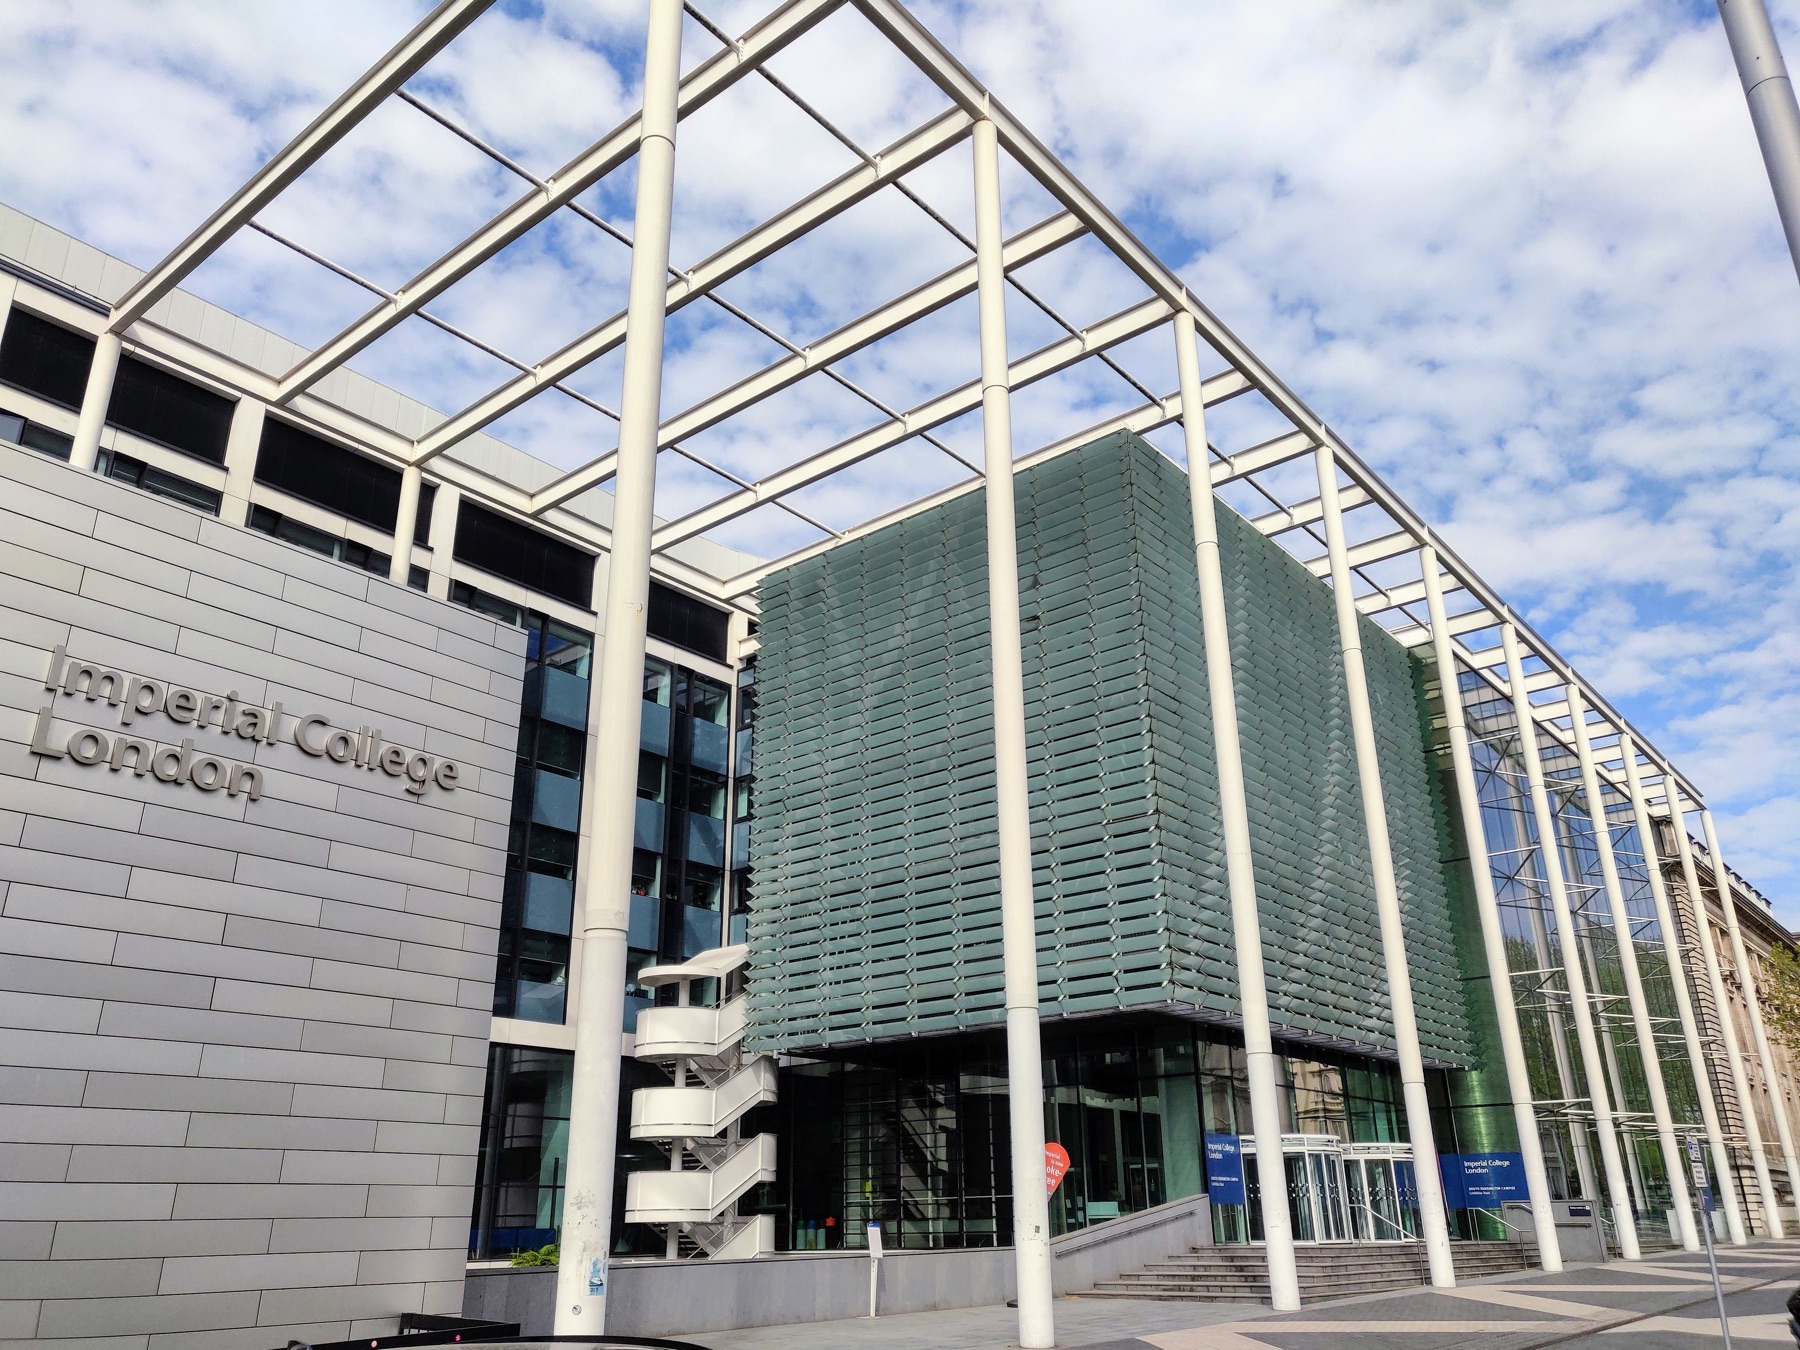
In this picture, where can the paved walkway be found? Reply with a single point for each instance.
(1667, 1298)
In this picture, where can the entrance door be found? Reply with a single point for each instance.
(1383, 1200)
(1312, 1166)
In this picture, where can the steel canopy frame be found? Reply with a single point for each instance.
(1385, 547)
(1397, 605)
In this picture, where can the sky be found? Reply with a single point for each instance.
(1522, 257)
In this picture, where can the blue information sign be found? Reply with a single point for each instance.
(1224, 1170)
(1482, 1180)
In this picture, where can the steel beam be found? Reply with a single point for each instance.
(927, 143)
(434, 32)
(945, 289)
(710, 79)
(1044, 362)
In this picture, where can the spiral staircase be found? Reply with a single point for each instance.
(711, 1165)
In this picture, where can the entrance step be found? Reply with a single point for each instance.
(1241, 1274)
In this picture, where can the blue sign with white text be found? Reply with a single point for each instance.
(1224, 1170)
(1482, 1180)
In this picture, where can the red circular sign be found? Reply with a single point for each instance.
(1056, 1162)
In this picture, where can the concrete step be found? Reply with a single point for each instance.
(1240, 1274)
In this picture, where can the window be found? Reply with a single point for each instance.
(141, 475)
(35, 436)
(314, 470)
(533, 559)
(481, 602)
(169, 410)
(418, 578)
(343, 550)
(686, 622)
(544, 843)
(45, 359)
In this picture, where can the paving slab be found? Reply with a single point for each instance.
(1668, 1297)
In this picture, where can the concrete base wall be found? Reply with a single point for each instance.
(668, 1298)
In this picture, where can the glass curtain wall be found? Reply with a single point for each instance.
(524, 1151)
(917, 1140)
(680, 854)
(1533, 949)
(524, 1155)
(532, 978)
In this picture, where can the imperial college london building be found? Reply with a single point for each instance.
(416, 853)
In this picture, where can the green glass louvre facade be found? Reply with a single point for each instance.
(876, 906)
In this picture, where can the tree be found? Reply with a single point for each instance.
(1781, 996)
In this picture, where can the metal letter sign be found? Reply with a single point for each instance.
(1224, 1170)
(1056, 1165)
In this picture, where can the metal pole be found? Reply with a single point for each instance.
(95, 400)
(1674, 1158)
(1712, 1257)
(1493, 938)
(1773, 112)
(406, 521)
(1550, 857)
(616, 712)
(1432, 1218)
(1018, 917)
(1234, 812)
(1715, 978)
(1783, 1131)
(1684, 1005)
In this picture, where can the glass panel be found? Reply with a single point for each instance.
(711, 743)
(654, 730)
(565, 698)
(549, 902)
(706, 840)
(557, 801)
(1300, 1198)
(648, 832)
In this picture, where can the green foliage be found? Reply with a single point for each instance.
(543, 1256)
(1781, 997)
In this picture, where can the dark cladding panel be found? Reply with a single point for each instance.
(317, 471)
(685, 622)
(535, 560)
(45, 359)
(169, 410)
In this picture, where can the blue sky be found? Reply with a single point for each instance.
(1523, 257)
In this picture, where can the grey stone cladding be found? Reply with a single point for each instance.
(243, 1034)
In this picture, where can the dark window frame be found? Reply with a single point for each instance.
(26, 341)
(328, 475)
(528, 557)
(170, 410)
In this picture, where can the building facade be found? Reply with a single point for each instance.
(336, 881)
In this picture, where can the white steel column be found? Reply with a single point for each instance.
(1674, 1157)
(1240, 866)
(94, 401)
(1432, 1217)
(1550, 859)
(406, 521)
(1018, 907)
(443, 540)
(1493, 939)
(616, 713)
(242, 443)
(1684, 1004)
(1777, 1106)
(1715, 978)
